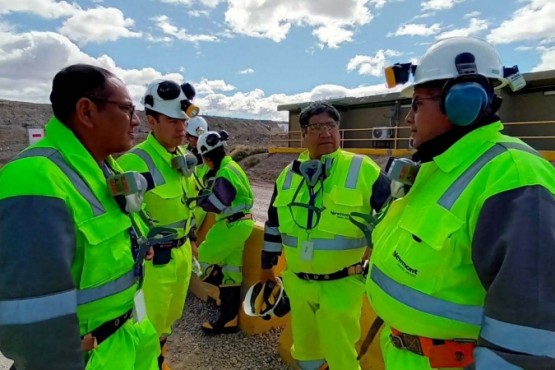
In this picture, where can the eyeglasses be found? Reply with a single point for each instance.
(129, 108)
(320, 127)
(414, 104)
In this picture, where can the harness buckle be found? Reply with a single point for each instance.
(397, 341)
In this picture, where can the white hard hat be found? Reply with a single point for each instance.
(266, 300)
(438, 63)
(211, 140)
(197, 126)
(165, 97)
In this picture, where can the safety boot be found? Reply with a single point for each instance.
(214, 275)
(228, 315)
(162, 364)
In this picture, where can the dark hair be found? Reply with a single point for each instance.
(216, 155)
(73, 83)
(153, 113)
(316, 108)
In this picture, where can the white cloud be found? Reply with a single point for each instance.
(523, 48)
(547, 61)
(253, 103)
(207, 87)
(323, 92)
(44, 8)
(416, 29)
(333, 21)
(534, 21)
(247, 71)
(208, 3)
(163, 22)
(473, 14)
(371, 65)
(198, 13)
(439, 4)
(332, 35)
(178, 2)
(212, 3)
(378, 3)
(422, 16)
(29, 61)
(98, 25)
(476, 25)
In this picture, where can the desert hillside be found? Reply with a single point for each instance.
(16, 117)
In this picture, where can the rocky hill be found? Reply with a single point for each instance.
(16, 117)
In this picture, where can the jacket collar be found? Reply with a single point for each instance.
(159, 148)
(468, 146)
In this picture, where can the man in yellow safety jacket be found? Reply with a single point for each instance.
(168, 274)
(461, 268)
(309, 217)
(228, 194)
(70, 256)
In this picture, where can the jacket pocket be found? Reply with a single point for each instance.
(340, 202)
(106, 248)
(422, 251)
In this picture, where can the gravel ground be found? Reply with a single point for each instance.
(190, 349)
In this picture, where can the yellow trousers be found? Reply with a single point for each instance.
(134, 346)
(165, 289)
(325, 320)
(224, 245)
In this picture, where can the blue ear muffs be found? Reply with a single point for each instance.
(466, 99)
(465, 103)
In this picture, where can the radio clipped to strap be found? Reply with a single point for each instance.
(157, 237)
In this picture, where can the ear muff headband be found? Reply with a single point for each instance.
(168, 90)
(465, 99)
(212, 139)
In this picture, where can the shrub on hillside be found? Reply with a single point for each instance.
(250, 162)
(242, 151)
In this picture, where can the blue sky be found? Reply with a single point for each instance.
(245, 57)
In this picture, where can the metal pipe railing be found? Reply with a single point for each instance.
(279, 137)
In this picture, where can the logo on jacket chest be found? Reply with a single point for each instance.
(410, 270)
(341, 215)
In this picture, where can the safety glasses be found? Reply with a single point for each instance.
(416, 101)
(322, 126)
(128, 108)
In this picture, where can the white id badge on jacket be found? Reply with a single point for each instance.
(139, 309)
(308, 250)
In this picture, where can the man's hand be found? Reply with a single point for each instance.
(267, 274)
(194, 249)
(367, 254)
(149, 254)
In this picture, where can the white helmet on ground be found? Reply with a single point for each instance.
(440, 62)
(197, 126)
(211, 140)
(165, 97)
(266, 300)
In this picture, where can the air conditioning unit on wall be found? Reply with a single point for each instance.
(382, 133)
